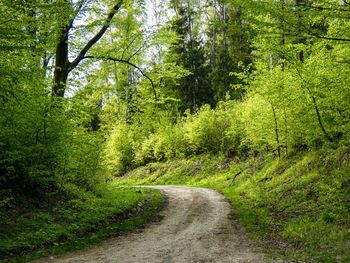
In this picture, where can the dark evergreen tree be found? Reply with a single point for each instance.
(195, 89)
(230, 52)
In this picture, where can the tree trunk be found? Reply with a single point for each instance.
(61, 64)
(283, 35)
(276, 131)
(319, 118)
(320, 122)
(286, 130)
(300, 4)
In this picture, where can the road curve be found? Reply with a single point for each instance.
(197, 226)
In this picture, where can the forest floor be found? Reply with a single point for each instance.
(198, 225)
(32, 228)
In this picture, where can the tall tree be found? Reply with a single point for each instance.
(195, 89)
(63, 66)
(232, 51)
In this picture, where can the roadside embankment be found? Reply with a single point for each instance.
(298, 207)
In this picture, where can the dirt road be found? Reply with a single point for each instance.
(197, 226)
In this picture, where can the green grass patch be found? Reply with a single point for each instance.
(73, 224)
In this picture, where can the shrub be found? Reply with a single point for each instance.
(119, 152)
(207, 130)
(167, 143)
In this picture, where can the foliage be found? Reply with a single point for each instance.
(119, 154)
(206, 130)
(89, 91)
(168, 143)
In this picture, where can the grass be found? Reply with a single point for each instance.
(298, 207)
(71, 225)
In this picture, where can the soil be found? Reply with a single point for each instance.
(197, 225)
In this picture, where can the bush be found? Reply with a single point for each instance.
(78, 159)
(207, 130)
(167, 143)
(119, 152)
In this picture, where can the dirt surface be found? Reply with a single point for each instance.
(197, 226)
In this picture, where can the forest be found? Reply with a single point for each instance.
(249, 97)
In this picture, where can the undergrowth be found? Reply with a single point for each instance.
(298, 207)
(69, 225)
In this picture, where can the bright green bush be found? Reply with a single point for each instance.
(207, 129)
(119, 152)
(167, 143)
(175, 143)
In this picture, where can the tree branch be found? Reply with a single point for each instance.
(71, 21)
(129, 45)
(79, 6)
(343, 61)
(131, 64)
(334, 8)
(97, 37)
(331, 38)
(311, 33)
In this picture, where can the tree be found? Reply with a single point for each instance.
(189, 53)
(230, 49)
(22, 110)
(63, 66)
